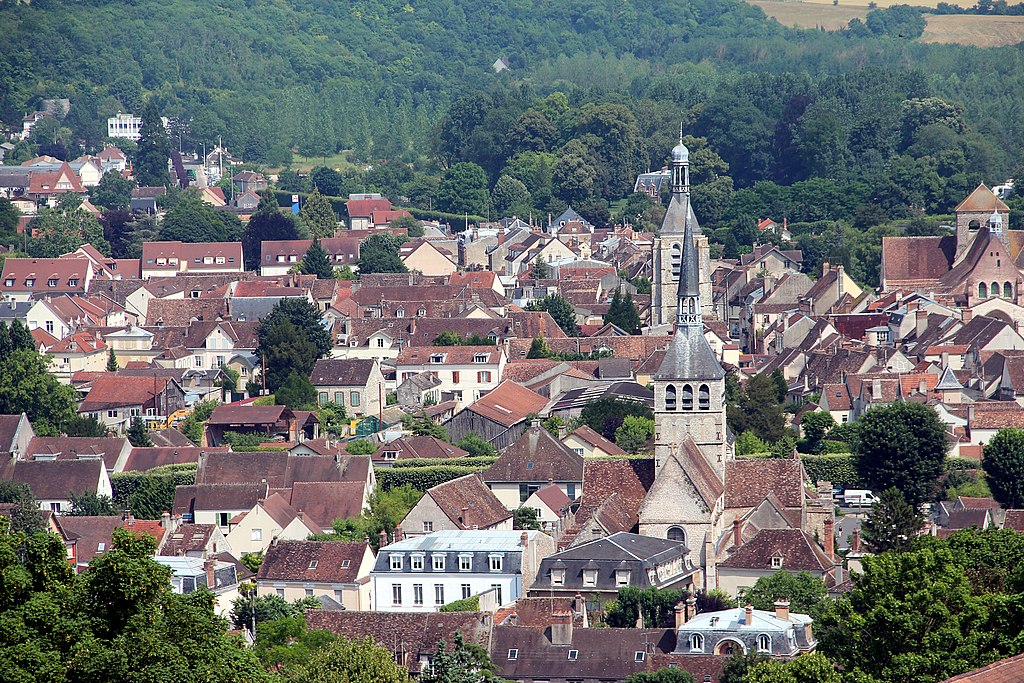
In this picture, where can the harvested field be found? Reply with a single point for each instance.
(811, 15)
(971, 29)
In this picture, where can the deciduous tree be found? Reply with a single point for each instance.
(1004, 466)
(892, 524)
(154, 150)
(379, 254)
(902, 445)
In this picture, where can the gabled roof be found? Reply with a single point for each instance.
(468, 503)
(188, 538)
(508, 403)
(56, 479)
(419, 447)
(119, 390)
(108, 449)
(795, 546)
(588, 435)
(982, 199)
(347, 372)
(322, 502)
(313, 561)
(747, 482)
(536, 456)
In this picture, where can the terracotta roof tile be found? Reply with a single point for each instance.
(468, 503)
(313, 561)
(796, 547)
(508, 403)
(747, 482)
(536, 456)
(188, 538)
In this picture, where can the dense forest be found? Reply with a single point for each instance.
(861, 126)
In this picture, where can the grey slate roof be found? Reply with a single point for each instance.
(622, 550)
(689, 356)
(479, 545)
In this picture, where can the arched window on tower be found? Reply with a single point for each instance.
(982, 290)
(994, 289)
(676, 533)
(687, 400)
(670, 397)
(677, 258)
(1007, 290)
(704, 397)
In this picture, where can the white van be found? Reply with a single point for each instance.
(858, 498)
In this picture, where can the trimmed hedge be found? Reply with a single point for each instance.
(149, 494)
(420, 478)
(954, 464)
(467, 605)
(339, 204)
(480, 461)
(840, 469)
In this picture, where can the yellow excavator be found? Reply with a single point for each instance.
(172, 420)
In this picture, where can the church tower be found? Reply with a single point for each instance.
(668, 246)
(687, 501)
(689, 387)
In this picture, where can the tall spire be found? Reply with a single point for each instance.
(688, 311)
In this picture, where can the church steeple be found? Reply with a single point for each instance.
(680, 167)
(688, 309)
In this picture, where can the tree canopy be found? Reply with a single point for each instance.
(1004, 467)
(902, 445)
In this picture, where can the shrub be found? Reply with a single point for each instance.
(420, 478)
(841, 470)
(149, 494)
(467, 605)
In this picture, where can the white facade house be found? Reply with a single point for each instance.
(424, 573)
(466, 372)
(128, 126)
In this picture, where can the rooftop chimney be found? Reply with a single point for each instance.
(691, 607)
(782, 610)
(563, 431)
(855, 541)
(876, 389)
(398, 533)
(383, 538)
(830, 538)
(680, 613)
(165, 520)
(208, 567)
(749, 615)
(737, 533)
(561, 628)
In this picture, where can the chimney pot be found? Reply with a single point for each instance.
(680, 614)
(398, 533)
(749, 615)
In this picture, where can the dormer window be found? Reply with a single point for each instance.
(73, 282)
(621, 577)
(400, 313)
(207, 260)
(558, 577)
(777, 562)
(589, 577)
(396, 563)
(421, 312)
(221, 260)
(639, 656)
(52, 282)
(494, 563)
(480, 357)
(9, 282)
(437, 358)
(574, 655)
(696, 642)
(30, 282)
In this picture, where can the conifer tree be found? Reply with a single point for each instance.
(316, 262)
(892, 524)
(137, 435)
(154, 150)
(111, 360)
(318, 216)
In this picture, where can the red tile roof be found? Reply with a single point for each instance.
(796, 547)
(591, 437)
(41, 271)
(116, 391)
(747, 482)
(468, 503)
(1009, 670)
(508, 403)
(313, 561)
(536, 456)
(364, 208)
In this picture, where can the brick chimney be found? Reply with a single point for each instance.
(966, 315)
(855, 541)
(165, 520)
(561, 628)
(830, 538)
(398, 533)
(691, 607)
(749, 615)
(782, 610)
(208, 567)
(737, 533)
(680, 614)
(382, 538)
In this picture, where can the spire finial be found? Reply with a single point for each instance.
(680, 131)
